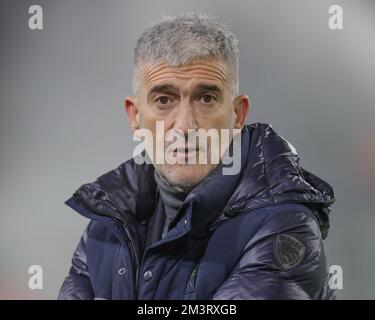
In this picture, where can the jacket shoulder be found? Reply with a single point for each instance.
(282, 218)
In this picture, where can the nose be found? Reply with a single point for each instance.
(185, 118)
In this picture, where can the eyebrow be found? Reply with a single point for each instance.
(209, 87)
(162, 88)
(170, 88)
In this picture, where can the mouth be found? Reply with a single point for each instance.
(185, 152)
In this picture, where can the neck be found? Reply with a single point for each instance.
(171, 196)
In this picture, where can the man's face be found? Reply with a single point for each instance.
(190, 97)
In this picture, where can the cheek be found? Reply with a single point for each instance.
(147, 118)
(151, 114)
(221, 120)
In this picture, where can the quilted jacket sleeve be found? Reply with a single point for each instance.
(76, 285)
(285, 260)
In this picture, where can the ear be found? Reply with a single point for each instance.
(241, 109)
(131, 109)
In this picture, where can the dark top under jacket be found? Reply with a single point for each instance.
(254, 235)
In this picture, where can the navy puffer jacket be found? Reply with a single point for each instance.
(255, 235)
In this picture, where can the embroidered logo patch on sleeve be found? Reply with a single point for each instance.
(289, 251)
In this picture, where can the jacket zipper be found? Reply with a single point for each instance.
(121, 227)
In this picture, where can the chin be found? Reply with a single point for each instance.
(184, 177)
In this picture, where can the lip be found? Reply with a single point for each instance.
(185, 152)
(185, 149)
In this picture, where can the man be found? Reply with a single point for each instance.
(186, 230)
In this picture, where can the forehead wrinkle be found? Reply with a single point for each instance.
(201, 76)
(190, 73)
(210, 69)
(215, 72)
(220, 85)
(192, 65)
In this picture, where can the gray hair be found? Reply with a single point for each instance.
(181, 39)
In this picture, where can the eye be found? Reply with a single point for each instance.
(207, 99)
(163, 100)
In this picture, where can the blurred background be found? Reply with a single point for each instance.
(62, 118)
